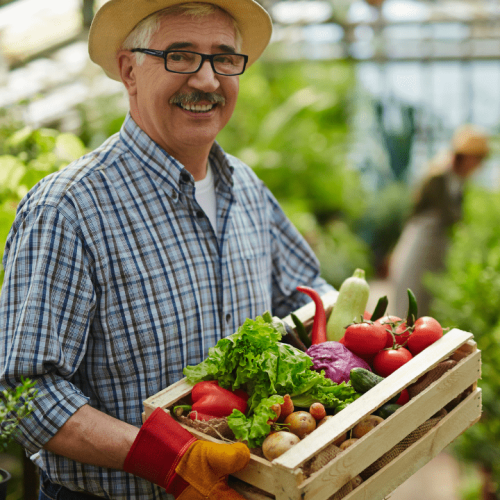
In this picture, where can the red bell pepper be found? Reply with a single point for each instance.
(318, 334)
(212, 400)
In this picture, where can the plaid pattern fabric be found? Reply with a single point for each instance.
(115, 280)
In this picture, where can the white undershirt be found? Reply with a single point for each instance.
(205, 196)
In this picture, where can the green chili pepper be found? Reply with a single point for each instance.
(412, 309)
(380, 308)
(301, 331)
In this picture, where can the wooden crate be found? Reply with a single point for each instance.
(284, 478)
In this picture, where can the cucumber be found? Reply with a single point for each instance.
(362, 380)
(350, 305)
(387, 410)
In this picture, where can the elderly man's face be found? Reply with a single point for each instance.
(154, 91)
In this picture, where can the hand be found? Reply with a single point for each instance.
(205, 466)
(168, 455)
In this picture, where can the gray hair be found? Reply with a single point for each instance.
(141, 35)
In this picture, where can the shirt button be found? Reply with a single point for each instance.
(228, 318)
(175, 196)
(200, 214)
(185, 177)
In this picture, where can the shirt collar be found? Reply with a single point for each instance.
(165, 168)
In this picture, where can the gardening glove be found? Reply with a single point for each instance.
(166, 454)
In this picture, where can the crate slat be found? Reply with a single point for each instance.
(386, 480)
(390, 432)
(381, 393)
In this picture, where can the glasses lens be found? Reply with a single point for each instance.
(229, 64)
(183, 62)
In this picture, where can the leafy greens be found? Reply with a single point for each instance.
(254, 359)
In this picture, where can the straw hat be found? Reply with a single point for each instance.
(470, 140)
(117, 18)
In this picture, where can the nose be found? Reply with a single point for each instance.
(205, 79)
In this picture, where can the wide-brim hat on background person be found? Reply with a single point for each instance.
(117, 18)
(470, 140)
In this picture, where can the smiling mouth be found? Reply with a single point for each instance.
(196, 108)
(197, 101)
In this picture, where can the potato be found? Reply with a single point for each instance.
(277, 443)
(301, 423)
(348, 442)
(366, 425)
(325, 419)
(356, 481)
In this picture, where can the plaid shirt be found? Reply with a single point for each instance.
(115, 280)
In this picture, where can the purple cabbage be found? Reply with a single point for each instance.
(336, 360)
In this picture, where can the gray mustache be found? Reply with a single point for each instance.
(197, 96)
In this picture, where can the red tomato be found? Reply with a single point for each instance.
(367, 315)
(388, 322)
(426, 331)
(365, 339)
(402, 334)
(389, 360)
(403, 398)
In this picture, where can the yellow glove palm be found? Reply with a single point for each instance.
(205, 466)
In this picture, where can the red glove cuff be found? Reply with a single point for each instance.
(157, 450)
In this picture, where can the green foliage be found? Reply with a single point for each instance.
(291, 126)
(387, 210)
(26, 156)
(467, 295)
(15, 404)
(101, 117)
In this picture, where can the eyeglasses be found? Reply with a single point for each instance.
(186, 62)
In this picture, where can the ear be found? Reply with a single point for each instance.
(127, 66)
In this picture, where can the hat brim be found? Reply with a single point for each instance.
(117, 18)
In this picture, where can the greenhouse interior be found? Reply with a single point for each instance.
(343, 117)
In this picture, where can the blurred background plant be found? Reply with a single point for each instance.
(26, 156)
(15, 405)
(467, 296)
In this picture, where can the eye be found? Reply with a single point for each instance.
(224, 59)
(177, 56)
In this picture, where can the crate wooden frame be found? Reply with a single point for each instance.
(283, 477)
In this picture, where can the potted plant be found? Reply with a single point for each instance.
(15, 404)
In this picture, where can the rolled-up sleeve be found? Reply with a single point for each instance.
(46, 307)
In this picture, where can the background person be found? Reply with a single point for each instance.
(424, 241)
(130, 263)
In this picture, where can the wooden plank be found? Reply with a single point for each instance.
(260, 473)
(368, 449)
(369, 402)
(377, 487)
(467, 413)
(287, 483)
(168, 396)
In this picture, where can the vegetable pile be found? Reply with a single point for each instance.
(275, 386)
(255, 361)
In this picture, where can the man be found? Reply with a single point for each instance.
(424, 241)
(131, 262)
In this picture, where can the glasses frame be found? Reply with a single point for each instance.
(204, 57)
